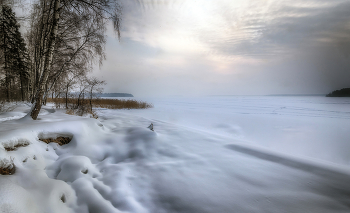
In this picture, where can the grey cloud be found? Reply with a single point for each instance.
(301, 46)
(310, 26)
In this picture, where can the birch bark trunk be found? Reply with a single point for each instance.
(47, 64)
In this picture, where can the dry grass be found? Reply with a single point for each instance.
(82, 111)
(122, 104)
(7, 167)
(70, 112)
(59, 140)
(103, 103)
(15, 147)
(9, 170)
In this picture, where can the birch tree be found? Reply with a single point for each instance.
(51, 31)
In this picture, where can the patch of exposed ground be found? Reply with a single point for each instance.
(59, 140)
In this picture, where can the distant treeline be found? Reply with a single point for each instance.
(345, 92)
(114, 95)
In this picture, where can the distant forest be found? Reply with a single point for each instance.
(345, 92)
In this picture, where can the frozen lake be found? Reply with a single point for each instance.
(305, 126)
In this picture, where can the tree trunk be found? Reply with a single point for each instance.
(67, 98)
(5, 65)
(48, 59)
(92, 89)
(91, 100)
(22, 85)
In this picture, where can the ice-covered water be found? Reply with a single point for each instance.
(307, 126)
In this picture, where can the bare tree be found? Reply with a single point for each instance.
(71, 80)
(52, 18)
(67, 32)
(94, 88)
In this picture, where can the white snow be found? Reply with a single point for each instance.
(212, 154)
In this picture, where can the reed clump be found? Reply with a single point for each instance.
(122, 104)
(74, 103)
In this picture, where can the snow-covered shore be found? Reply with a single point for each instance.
(217, 154)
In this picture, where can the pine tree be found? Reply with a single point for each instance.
(14, 55)
(5, 38)
(21, 62)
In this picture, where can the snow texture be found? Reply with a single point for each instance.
(213, 154)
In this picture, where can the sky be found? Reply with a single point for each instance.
(229, 47)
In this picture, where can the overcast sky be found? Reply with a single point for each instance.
(229, 47)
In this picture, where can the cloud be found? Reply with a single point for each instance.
(231, 47)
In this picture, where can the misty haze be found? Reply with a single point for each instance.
(174, 106)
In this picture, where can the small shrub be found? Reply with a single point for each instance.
(70, 112)
(7, 167)
(94, 114)
(14, 145)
